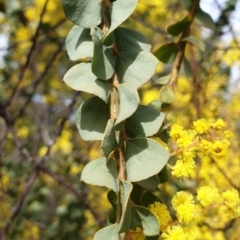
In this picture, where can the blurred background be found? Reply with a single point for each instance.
(41, 152)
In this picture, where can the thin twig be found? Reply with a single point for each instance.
(68, 186)
(181, 47)
(29, 56)
(18, 205)
(30, 158)
(225, 175)
(38, 81)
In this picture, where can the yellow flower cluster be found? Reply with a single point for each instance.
(231, 198)
(184, 205)
(201, 126)
(185, 164)
(232, 55)
(202, 140)
(207, 195)
(162, 214)
(222, 208)
(137, 234)
(179, 233)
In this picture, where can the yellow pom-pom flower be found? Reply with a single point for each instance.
(228, 134)
(181, 198)
(231, 198)
(162, 214)
(183, 168)
(176, 131)
(205, 146)
(219, 124)
(219, 148)
(201, 126)
(207, 195)
(137, 234)
(185, 212)
(179, 233)
(183, 204)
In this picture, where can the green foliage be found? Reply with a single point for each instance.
(177, 28)
(205, 19)
(86, 14)
(122, 62)
(92, 118)
(110, 232)
(126, 39)
(196, 42)
(135, 66)
(81, 78)
(167, 52)
(149, 221)
(103, 60)
(144, 158)
(79, 44)
(187, 68)
(109, 142)
(121, 126)
(101, 172)
(166, 94)
(120, 11)
(129, 100)
(145, 122)
(126, 213)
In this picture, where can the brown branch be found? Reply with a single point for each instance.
(32, 159)
(68, 186)
(105, 13)
(19, 204)
(181, 47)
(226, 177)
(29, 56)
(38, 81)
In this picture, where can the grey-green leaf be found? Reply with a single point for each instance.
(149, 198)
(196, 42)
(109, 233)
(166, 94)
(101, 172)
(178, 27)
(186, 4)
(205, 19)
(187, 68)
(120, 11)
(135, 67)
(103, 62)
(91, 119)
(109, 142)
(145, 122)
(167, 52)
(163, 175)
(81, 78)
(83, 13)
(79, 43)
(150, 183)
(144, 158)
(129, 101)
(162, 80)
(126, 216)
(149, 221)
(156, 104)
(128, 39)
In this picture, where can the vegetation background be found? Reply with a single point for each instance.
(41, 152)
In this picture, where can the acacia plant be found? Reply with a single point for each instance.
(114, 63)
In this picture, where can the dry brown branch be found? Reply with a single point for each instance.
(181, 47)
